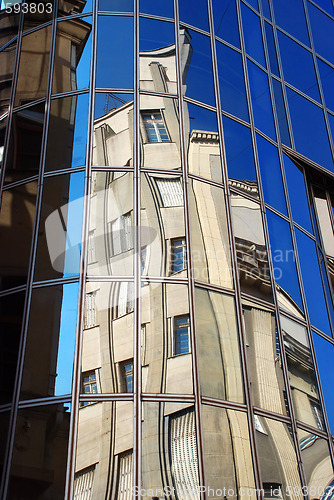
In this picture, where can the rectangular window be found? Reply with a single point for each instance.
(90, 310)
(83, 484)
(155, 127)
(178, 255)
(125, 476)
(89, 385)
(181, 335)
(171, 192)
(127, 374)
(125, 298)
(121, 238)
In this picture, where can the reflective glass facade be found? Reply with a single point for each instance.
(167, 257)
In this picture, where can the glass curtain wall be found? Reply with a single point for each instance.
(167, 257)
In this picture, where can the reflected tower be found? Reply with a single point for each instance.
(166, 295)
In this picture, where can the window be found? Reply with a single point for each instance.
(272, 491)
(90, 310)
(181, 335)
(144, 259)
(178, 255)
(91, 247)
(127, 374)
(155, 127)
(121, 238)
(89, 385)
(171, 192)
(83, 484)
(125, 298)
(125, 475)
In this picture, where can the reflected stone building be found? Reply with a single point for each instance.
(166, 299)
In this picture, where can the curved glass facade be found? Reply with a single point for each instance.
(167, 257)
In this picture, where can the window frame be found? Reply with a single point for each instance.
(177, 351)
(151, 119)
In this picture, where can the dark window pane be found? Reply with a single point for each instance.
(271, 49)
(231, 82)
(266, 9)
(67, 134)
(226, 21)
(309, 130)
(324, 353)
(42, 434)
(16, 227)
(72, 55)
(323, 32)
(24, 149)
(271, 174)
(7, 60)
(327, 81)
(312, 282)
(34, 65)
(164, 9)
(291, 17)
(297, 194)
(114, 52)
(285, 273)
(326, 5)
(253, 3)
(42, 14)
(51, 333)
(331, 125)
(116, 5)
(298, 67)
(261, 101)
(281, 113)
(239, 153)
(196, 15)
(196, 53)
(252, 34)
(59, 242)
(11, 315)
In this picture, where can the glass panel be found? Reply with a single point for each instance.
(252, 35)
(252, 257)
(326, 5)
(3, 127)
(325, 224)
(291, 17)
(263, 353)
(66, 7)
(281, 113)
(226, 21)
(324, 353)
(312, 282)
(210, 242)
(266, 9)
(51, 338)
(114, 36)
(196, 64)
(107, 342)
(261, 101)
(113, 129)
(9, 25)
(40, 454)
(67, 134)
(327, 81)
(157, 56)
(218, 346)
(316, 458)
(285, 273)
(271, 174)
(104, 450)
(203, 142)
(37, 14)
(303, 383)
(298, 66)
(231, 82)
(24, 149)
(227, 454)
(278, 461)
(169, 451)
(16, 227)
(11, 315)
(116, 5)
(163, 243)
(271, 49)
(7, 60)
(71, 69)
(163, 9)
(310, 134)
(297, 194)
(4, 427)
(197, 17)
(111, 225)
(166, 339)
(33, 69)
(254, 4)
(323, 32)
(240, 157)
(59, 240)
